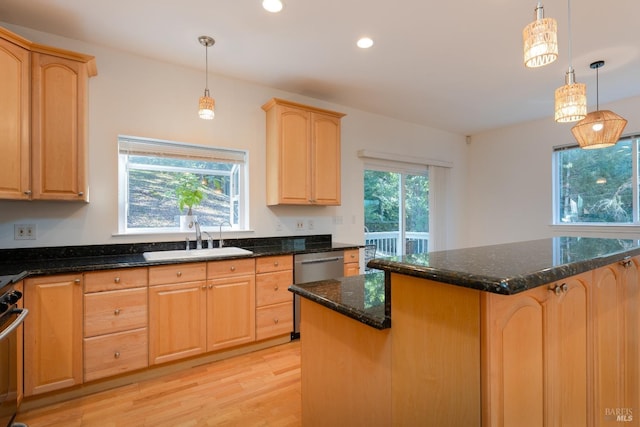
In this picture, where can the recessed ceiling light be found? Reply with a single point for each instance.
(365, 43)
(273, 6)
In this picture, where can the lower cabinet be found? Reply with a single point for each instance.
(545, 330)
(115, 322)
(177, 311)
(274, 302)
(52, 333)
(231, 307)
(351, 262)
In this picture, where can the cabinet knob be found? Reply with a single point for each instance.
(179, 273)
(76, 281)
(353, 256)
(626, 263)
(276, 288)
(116, 280)
(210, 286)
(204, 287)
(81, 193)
(276, 263)
(116, 355)
(116, 312)
(564, 287)
(233, 268)
(559, 289)
(275, 320)
(28, 192)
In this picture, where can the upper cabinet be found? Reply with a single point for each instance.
(303, 154)
(43, 131)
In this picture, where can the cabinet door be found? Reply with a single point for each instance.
(14, 126)
(295, 156)
(325, 166)
(514, 338)
(231, 312)
(631, 341)
(177, 321)
(53, 333)
(58, 114)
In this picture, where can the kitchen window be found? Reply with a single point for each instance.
(152, 172)
(597, 187)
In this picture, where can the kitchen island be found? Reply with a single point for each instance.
(525, 334)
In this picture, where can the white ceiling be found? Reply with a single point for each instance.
(452, 65)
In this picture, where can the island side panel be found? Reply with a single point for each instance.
(435, 353)
(345, 370)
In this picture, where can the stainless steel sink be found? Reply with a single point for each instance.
(195, 253)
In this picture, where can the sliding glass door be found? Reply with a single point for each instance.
(396, 209)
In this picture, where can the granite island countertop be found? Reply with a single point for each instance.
(512, 267)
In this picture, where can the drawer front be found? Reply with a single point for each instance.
(232, 267)
(274, 320)
(274, 263)
(177, 273)
(272, 288)
(115, 311)
(114, 354)
(351, 255)
(110, 280)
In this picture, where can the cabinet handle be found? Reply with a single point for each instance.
(179, 273)
(116, 355)
(116, 280)
(116, 312)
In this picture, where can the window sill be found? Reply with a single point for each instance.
(587, 230)
(181, 234)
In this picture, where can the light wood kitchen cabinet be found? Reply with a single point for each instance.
(177, 311)
(274, 302)
(351, 262)
(115, 322)
(616, 328)
(14, 110)
(546, 330)
(303, 154)
(52, 333)
(44, 136)
(231, 309)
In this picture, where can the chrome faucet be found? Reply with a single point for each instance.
(198, 234)
(221, 242)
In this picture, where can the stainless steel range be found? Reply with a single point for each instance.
(11, 317)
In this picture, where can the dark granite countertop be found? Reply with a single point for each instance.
(363, 298)
(514, 267)
(68, 259)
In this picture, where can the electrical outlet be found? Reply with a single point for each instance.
(24, 232)
(299, 224)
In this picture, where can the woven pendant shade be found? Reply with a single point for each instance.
(599, 129)
(206, 106)
(571, 101)
(540, 40)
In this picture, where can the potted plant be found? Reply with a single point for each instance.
(190, 193)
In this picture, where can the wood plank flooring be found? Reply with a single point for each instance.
(257, 389)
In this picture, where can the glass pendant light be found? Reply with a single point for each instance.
(570, 99)
(540, 40)
(600, 128)
(206, 106)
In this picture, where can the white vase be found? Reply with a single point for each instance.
(186, 222)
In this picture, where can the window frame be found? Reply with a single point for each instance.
(598, 227)
(238, 193)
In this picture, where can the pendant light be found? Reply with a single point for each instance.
(600, 128)
(571, 99)
(206, 104)
(540, 40)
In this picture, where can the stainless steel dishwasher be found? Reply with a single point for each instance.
(312, 268)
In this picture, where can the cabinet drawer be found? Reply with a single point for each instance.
(177, 273)
(274, 263)
(115, 311)
(232, 267)
(114, 354)
(352, 255)
(274, 320)
(272, 288)
(111, 280)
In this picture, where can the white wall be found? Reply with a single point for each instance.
(137, 96)
(509, 192)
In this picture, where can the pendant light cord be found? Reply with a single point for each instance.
(206, 67)
(569, 28)
(598, 89)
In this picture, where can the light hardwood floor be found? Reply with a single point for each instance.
(256, 389)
